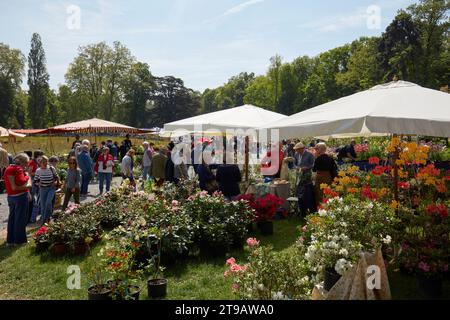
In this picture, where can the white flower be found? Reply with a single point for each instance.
(387, 239)
(343, 252)
(277, 295)
(341, 266)
(322, 212)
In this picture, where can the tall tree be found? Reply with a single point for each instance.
(260, 93)
(362, 69)
(173, 101)
(400, 49)
(137, 91)
(432, 20)
(37, 82)
(12, 64)
(274, 76)
(96, 77)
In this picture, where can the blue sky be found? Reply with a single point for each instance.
(204, 42)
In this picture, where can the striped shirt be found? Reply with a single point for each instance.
(45, 177)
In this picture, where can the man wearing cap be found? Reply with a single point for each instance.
(304, 162)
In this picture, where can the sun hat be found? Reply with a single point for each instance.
(299, 146)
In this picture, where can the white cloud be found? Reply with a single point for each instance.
(241, 7)
(233, 10)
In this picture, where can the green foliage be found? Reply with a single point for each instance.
(37, 82)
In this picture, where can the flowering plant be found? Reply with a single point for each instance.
(344, 227)
(218, 223)
(265, 207)
(41, 235)
(268, 275)
(425, 242)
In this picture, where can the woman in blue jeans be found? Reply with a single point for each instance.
(17, 184)
(47, 179)
(104, 165)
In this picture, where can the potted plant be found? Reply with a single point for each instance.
(117, 259)
(266, 207)
(425, 247)
(99, 289)
(156, 284)
(41, 239)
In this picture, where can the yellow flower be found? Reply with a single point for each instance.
(323, 186)
(394, 204)
(339, 188)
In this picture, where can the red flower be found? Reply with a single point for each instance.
(368, 193)
(403, 185)
(42, 230)
(374, 160)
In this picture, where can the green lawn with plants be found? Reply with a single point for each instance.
(25, 274)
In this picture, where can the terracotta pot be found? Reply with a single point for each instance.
(80, 249)
(59, 249)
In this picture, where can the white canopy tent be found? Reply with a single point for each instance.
(243, 117)
(398, 107)
(246, 117)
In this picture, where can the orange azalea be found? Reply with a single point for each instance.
(353, 190)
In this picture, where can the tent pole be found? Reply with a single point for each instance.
(396, 178)
(246, 158)
(12, 143)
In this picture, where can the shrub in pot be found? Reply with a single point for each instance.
(425, 249)
(156, 284)
(41, 239)
(117, 260)
(98, 287)
(269, 275)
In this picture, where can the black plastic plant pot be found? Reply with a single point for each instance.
(266, 228)
(99, 293)
(157, 288)
(331, 278)
(429, 287)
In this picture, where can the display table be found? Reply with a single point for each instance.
(353, 284)
(283, 191)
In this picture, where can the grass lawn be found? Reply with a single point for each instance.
(27, 275)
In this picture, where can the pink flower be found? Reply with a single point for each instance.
(424, 267)
(174, 203)
(204, 193)
(235, 268)
(231, 261)
(226, 274)
(305, 228)
(235, 287)
(252, 242)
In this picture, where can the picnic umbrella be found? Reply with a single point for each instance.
(398, 107)
(95, 125)
(244, 117)
(11, 135)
